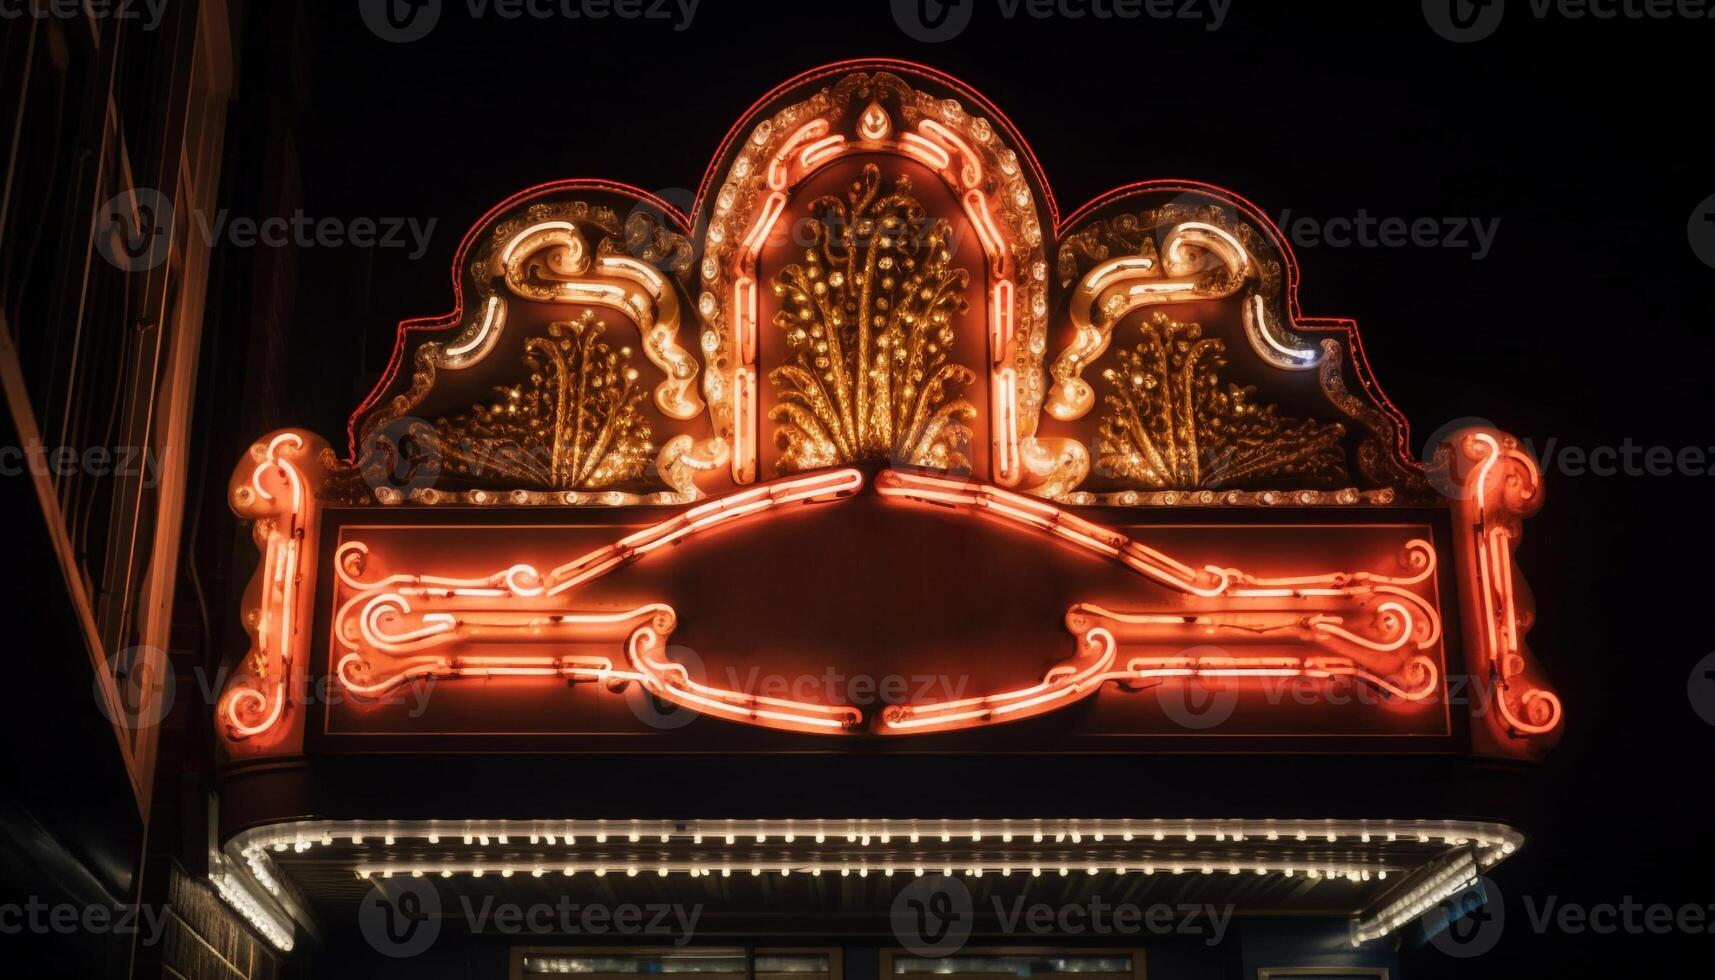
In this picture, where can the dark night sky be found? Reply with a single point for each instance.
(1587, 323)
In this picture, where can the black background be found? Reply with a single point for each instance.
(1587, 324)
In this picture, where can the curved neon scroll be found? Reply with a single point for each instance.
(1362, 618)
(1189, 253)
(1504, 486)
(274, 488)
(401, 627)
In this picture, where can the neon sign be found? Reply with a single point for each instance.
(883, 313)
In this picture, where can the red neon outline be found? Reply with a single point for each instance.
(1038, 177)
(1493, 545)
(897, 65)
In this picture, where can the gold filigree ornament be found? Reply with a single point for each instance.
(869, 320)
(1171, 423)
(573, 424)
(550, 262)
(551, 252)
(1204, 253)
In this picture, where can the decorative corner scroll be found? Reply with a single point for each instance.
(1501, 486)
(275, 487)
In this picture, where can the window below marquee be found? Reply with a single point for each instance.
(1008, 964)
(703, 964)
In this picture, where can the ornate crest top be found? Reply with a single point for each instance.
(875, 270)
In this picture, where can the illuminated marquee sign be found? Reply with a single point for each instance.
(875, 408)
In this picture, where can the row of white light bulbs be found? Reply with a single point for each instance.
(1432, 891)
(256, 859)
(884, 829)
(304, 843)
(886, 870)
(235, 895)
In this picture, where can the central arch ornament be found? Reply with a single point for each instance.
(875, 299)
(879, 115)
(867, 318)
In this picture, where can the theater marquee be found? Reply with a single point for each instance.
(875, 409)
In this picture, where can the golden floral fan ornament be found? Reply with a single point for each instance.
(1171, 424)
(869, 320)
(573, 424)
